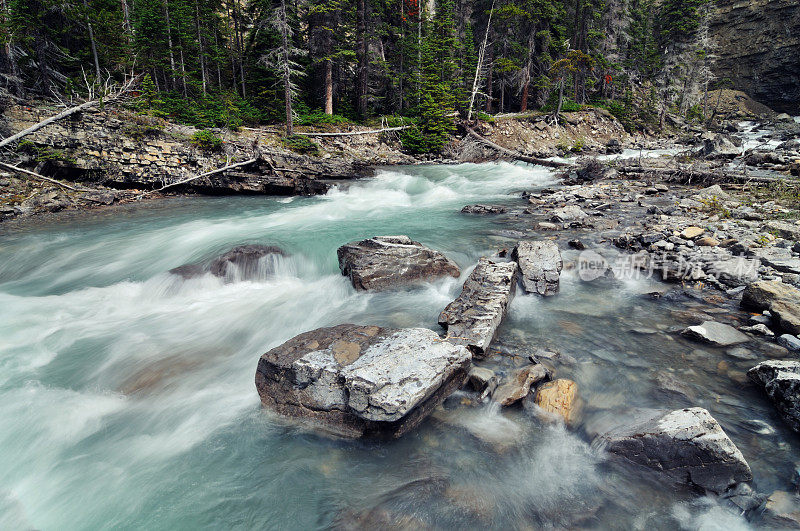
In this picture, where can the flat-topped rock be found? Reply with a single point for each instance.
(782, 300)
(244, 262)
(715, 333)
(540, 265)
(472, 319)
(688, 445)
(359, 381)
(386, 262)
(484, 209)
(781, 381)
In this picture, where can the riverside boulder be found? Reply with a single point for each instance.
(782, 300)
(687, 445)
(385, 262)
(540, 264)
(472, 319)
(361, 381)
(781, 381)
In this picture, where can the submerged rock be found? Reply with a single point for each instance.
(519, 384)
(782, 510)
(385, 262)
(715, 333)
(244, 262)
(474, 316)
(688, 445)
(540, 264)
(484, 209)
(781, 381)
(360, 381)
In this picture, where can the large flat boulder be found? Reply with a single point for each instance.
(715, 333)
(781, 381)
(359, 381)
(386, 262)
(688, 445)
(472, 319)
(540, 264)
(782, 300)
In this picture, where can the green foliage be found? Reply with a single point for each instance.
(44, 153)
(300, 144)
(318, 117)
(207, 140)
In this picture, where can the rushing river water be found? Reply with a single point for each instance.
(127, 397)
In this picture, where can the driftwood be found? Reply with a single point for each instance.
(514, 154)
(688, 174)
(206, 174)
(35, 175)
(72, 110)
(354, 133)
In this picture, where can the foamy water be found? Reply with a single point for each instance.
(128, 395)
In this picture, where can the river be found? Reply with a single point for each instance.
(128, 397)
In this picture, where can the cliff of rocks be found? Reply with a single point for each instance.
(758, 44)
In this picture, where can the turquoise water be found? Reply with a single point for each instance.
(128, 397)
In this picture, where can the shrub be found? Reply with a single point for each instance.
(206, 140)
(318, 117)
(301, 144)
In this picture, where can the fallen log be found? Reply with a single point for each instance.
(35, 175)
(688, 175)
(206, 174)
(354, 133)
(513, 154)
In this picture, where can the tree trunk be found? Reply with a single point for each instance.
(200, 45)
(169, 44)
(328, 87)
(287, 85)
(126, 21)
(523, 107)
(92, 42)
(362, 45)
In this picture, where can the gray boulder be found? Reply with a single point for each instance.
(569, 213)
(734, 272)
(359, 381)
(715, 333)
(782, 301)
(540, 264)
(385, 262)
(687, 445)
(472, 319)
(484, 209)
(781, 381)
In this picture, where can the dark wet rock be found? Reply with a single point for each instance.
(715, 333)
(385, 262)
(671, 387)
(744, 498)
(484, 209)
(103, 198)
(781, 381)
(782, 510)
(474, 316)
(687, 445)
(782, 301)
(483, 380)
(591, 169)
(720, 146)
(243, 262)
(577, 244)
(358, 381)
(540, 266)
(613, 147)
(518, 384)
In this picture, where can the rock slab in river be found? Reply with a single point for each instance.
(360, 381)
(472, 319)
(688, 445)
(715, 333)
(540, 264)
(781, 381)
(385, 262)
(560, 397)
